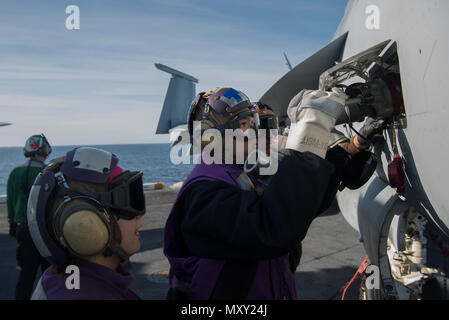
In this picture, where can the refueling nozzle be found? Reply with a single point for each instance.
(371, 99)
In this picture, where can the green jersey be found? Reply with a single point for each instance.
(19, 185)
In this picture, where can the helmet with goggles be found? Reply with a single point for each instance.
(221, 109)
(74, 205)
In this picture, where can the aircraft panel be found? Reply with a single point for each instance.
(304, 76)
(419, 29)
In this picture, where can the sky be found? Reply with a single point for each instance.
(98, 84)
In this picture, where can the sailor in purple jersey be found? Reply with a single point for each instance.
(233, 235)
(84, 213)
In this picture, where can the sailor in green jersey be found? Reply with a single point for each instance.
(20, 181)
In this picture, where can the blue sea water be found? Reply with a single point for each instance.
(152, 159)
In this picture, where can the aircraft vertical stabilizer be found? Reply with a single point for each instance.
(287, 62)
(180, 94)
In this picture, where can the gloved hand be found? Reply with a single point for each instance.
(12, 229)
(358, 170)
(336, 138)
(313, 115)
(353, 168)
(371, 131)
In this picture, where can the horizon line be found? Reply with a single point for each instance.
(92, 145)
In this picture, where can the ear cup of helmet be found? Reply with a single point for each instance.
(84, 227)
(47, 147)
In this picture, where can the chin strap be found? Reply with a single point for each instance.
(115, 247)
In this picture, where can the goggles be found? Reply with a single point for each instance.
(127, 195)
(125, 199)
(244, 120)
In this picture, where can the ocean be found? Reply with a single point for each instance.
(152, 159)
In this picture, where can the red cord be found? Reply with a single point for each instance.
(360, 270)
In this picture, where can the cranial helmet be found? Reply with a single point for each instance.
(74, 205)
(220, 108)
(37, 145)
